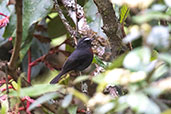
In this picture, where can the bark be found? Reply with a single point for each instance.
(18, 39)
(111, 27)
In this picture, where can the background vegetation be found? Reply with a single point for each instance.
(131, 69)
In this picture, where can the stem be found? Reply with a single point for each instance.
(76, 12)
(29, 66)
(18, 39)
(29, 73)
(65, 22)
(3, 14)
(7, 88)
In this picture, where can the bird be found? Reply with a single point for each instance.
(79, 59)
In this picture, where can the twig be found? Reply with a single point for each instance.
(65, 22)
(13, 60)
(72, 32)
(18, 39)
(29, 75)
(74, 8)
(3, 14)
(7, 88)
(52, 51)
(76, 12)
(29, 66)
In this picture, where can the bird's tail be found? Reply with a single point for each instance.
(56, 79)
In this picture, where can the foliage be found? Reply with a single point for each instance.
(143, 71)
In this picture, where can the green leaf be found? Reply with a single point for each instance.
(80, 79)
(149, 16)
(36, 90)
(153, 91)
(142, 104)
(168, 111)
(57, 41)
(99, 78)
(55, 27)
(124, 13)
(43, 99)
(104, 108)
(168, 11)
(67, 100)
(11, 27)
(25, 45)
(3, 109)
(154, 55)
(159, 37)
(19, 83)
(98, 61)
(94, 20)
(33, 11)
(52, 15)
(162, 70)
(117, 62)
(72, 109)
(166, 57)
(138, 59)
(69, 48)
(79, 95)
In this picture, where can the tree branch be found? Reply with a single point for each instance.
(112, 27)
(76, 13)
(18, 39)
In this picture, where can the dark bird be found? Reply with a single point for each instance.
(79, 60)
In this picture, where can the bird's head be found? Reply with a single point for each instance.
(84, 42)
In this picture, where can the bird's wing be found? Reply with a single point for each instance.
(74, 60)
